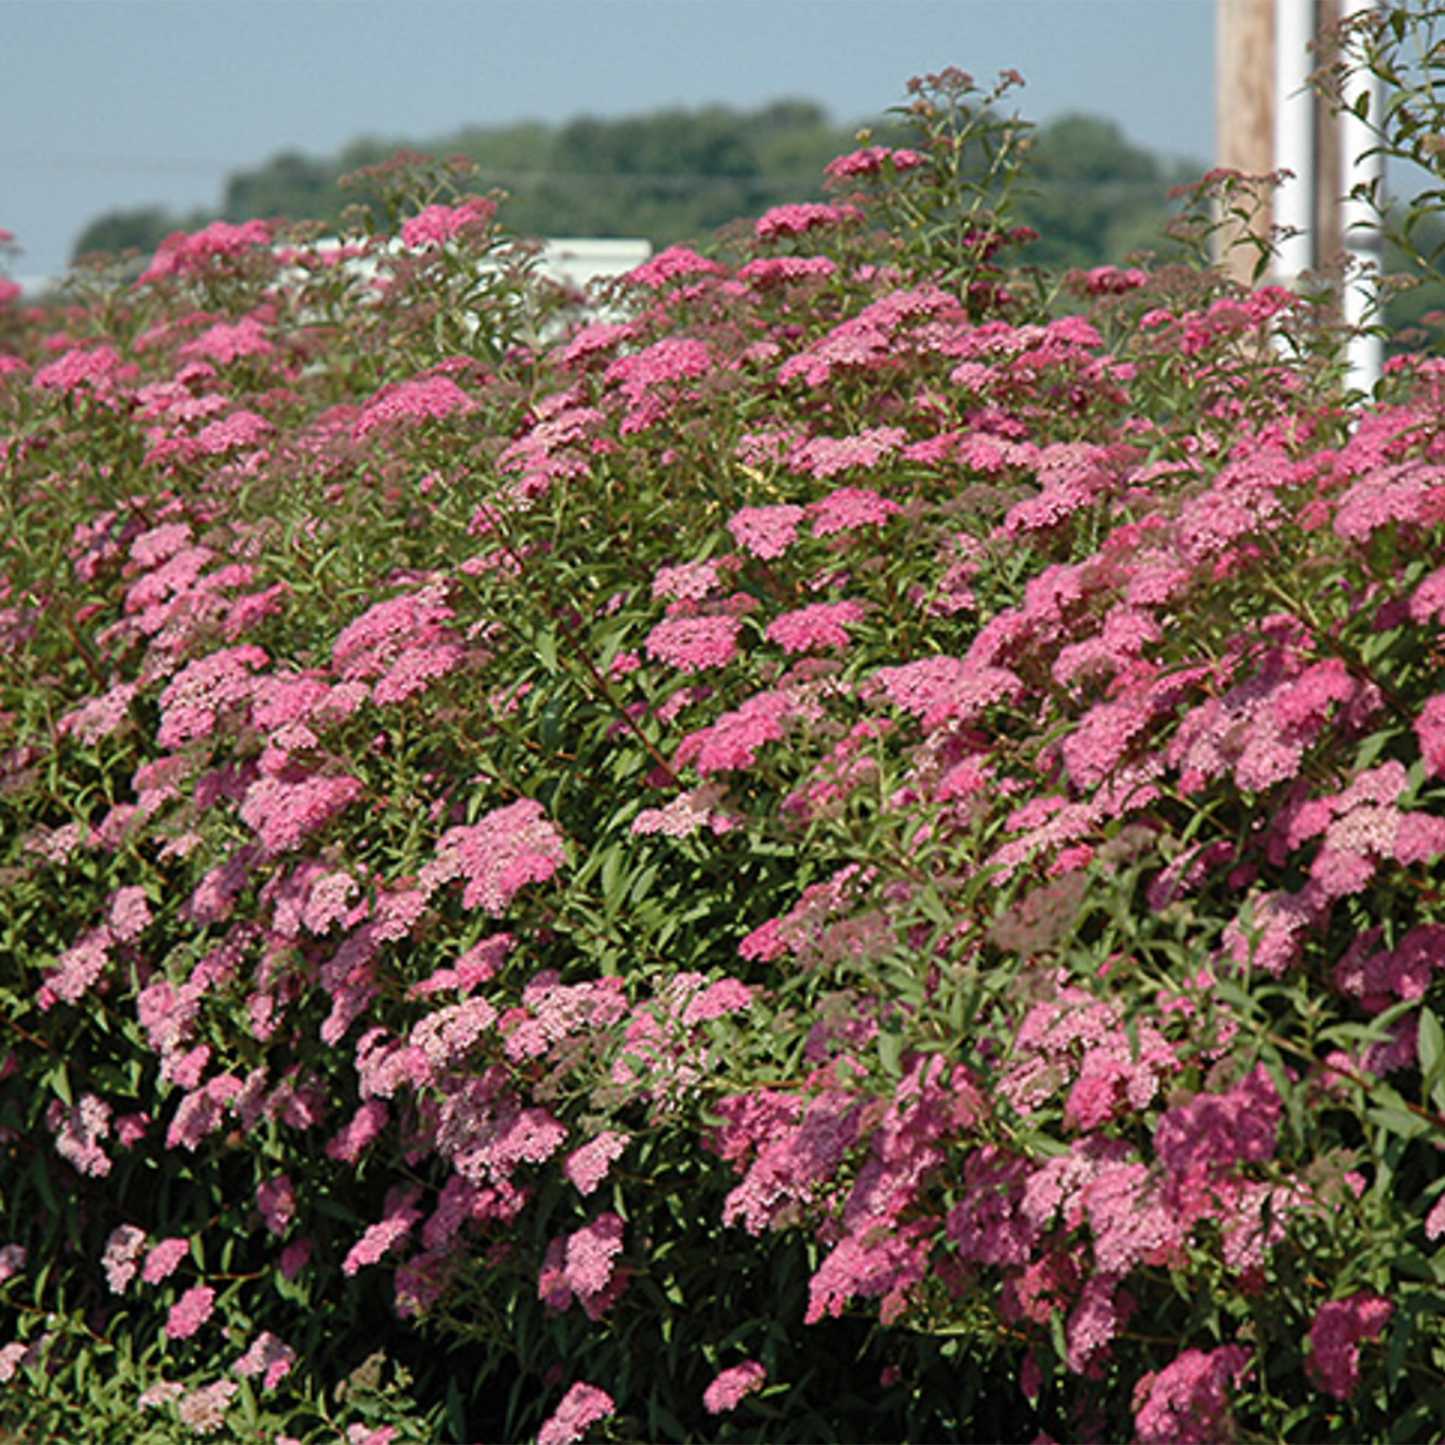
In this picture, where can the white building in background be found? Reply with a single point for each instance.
(573, 261)
(580, 260)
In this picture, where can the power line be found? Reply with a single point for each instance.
(99, 161)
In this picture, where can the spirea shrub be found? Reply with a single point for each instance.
(844, 846)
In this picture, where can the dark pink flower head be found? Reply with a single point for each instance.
(939, 689)
(181, 253)
(693, 643)
(1335, 1338)
(401, 1214)
(1187, 1402)
(796, 219)
(870, 161)
(95, 370)
(671, 265)
(401, 642)
(437, 225)
(734, 739)
(1240, 1126)
(780, 270)
(227, 341)
(648, 379)
(1430, 733)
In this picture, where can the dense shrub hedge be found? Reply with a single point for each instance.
(849, 850)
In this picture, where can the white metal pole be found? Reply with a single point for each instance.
(1295, 25)
(1364, 244)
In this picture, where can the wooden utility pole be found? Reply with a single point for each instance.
(1244, 117)
(1269, 119)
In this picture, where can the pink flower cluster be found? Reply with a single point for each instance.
(497, 857)
(438, 224)
(581, 1406)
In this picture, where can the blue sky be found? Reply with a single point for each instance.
(110, 104)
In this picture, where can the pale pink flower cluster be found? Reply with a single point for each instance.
(205, 691)
(552, 1011)
(818, 626)
(497, 857)
(121, 1260)
(824, 456)
(731, 1386)
(383, 1236)
(581, 1406)
(162, 1259)
(766, 532)
(78, 970)
(686, 814)
(241, 428)
(19, 1355)
(850, 508)
(99, 717)
(944, 689)
(12, 1261)
(448, 1035)
(79, 1130)
(204, 1410)
(190, 1312)
(590, 1164)
(583, 1267)
(285, 812)
(413, 403)
(693, 581)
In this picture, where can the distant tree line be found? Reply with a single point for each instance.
(681, 175)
